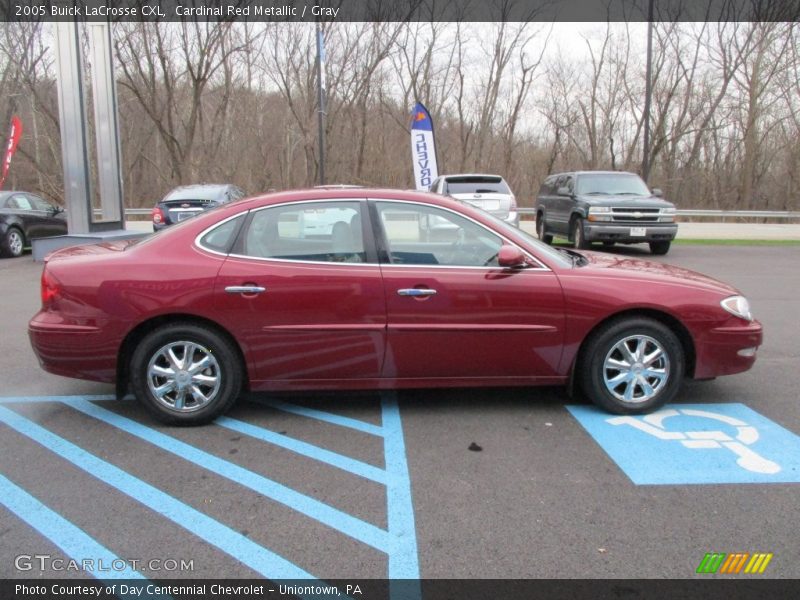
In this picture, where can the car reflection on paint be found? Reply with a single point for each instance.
(244, 298)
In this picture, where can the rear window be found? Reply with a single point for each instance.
(477, 185)
(198, 193)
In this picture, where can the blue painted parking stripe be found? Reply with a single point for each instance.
(403, 559)
(345, 463)
(36, 399)
(325, 416)
(315, 509)
(258, 558)
(75, 542)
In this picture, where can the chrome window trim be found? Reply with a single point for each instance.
(209, 229)
(541, 267)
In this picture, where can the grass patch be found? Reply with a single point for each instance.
(713, 242)
(708, 242)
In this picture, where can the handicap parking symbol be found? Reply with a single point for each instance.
(696, 444)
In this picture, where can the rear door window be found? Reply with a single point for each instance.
(328, 231)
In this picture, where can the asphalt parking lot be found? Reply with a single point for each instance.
(462, 484)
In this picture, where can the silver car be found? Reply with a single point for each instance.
(488, 192)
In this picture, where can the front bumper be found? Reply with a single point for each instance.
(614, 232)
(727, 349)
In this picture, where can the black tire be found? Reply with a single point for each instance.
(13, 243)
(578, 238)
(663, 376)
(660, 248)
(540, 230)
(209, 400)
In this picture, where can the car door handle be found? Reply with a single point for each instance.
(416, 292)
(245, 289)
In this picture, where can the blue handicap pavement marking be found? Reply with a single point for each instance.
(397, 541)
(695, 444)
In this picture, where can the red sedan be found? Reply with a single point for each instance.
(376, 289)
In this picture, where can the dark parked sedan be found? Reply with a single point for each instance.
(242, 297)
(188, 201)
(23, 217)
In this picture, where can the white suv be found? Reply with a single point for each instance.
(488, 192)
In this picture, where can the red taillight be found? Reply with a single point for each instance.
(158, 215)
(51, 289)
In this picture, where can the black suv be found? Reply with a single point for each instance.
(187, 201)
(604, 206)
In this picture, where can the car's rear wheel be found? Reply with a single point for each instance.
(632, 366)
(186, 374)
(660, 248)
(13, 243)
(578, 237)
(541, 228)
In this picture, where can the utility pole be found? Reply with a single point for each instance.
(648, 94)
(321, 101)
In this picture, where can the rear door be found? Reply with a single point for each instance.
(308, 306)
(49, 221)
(453, 314)
(32, 222)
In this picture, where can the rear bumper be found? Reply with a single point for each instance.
(70, 350)
(654, 232)
(727, 349)
(512, 218)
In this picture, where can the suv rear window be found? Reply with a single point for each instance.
(481, 185)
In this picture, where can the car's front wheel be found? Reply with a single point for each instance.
(578, 237)
(13, 243)
(186, 374)
(632, 366)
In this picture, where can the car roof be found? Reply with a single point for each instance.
(206, 190)
(345, 193)
(468, 175)
(590, 172)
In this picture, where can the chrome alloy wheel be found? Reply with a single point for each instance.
(636, 369)
(15, 243)
(183, 376)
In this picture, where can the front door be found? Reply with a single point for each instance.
(453, 313)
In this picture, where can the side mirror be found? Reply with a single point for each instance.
(658, 193)
(563, 191)
(510, 257)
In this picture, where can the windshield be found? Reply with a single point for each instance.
(541, 248)
(612, 184)
(477, 185)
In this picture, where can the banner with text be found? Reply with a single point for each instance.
(11, 148)
(423, 149)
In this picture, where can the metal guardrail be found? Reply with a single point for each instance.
(721, 214)
(683, 212)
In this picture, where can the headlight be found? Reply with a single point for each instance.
(739, 306)
(600, 213)
(667, 215)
